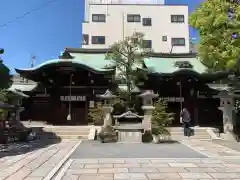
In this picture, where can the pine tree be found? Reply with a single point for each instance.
(160, 118)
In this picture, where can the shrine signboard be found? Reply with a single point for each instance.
(73, 98)
(172, 99)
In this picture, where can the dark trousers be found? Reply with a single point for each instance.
(187, 130)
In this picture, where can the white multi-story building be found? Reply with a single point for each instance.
(165, 26)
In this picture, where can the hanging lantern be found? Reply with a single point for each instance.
(69, 117)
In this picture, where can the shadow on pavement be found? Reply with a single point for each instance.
(43, 140)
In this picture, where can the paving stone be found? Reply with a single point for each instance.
(76, 166)
(143, 170)
(82, 171)
(85, 161)
(227, 169)
(126, 165)
(201, 170)
(157, 176)
(182, 165)
(112, 170)
(3, 177)
(71, 177)
(210, 165)
(41, 172)
(232, 165)
(98, 165)
(189, 161)
(138, 161)
(112, 161)
(155, 165)
(20, 174)
(130, 176)
(195, 175)
(212, 161)
(34, 178)
(172, 170)
(158, 161)
(225, 175)
(96, 177)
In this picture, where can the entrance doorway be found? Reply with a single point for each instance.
(78, 112)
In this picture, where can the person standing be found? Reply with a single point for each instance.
(186, 119)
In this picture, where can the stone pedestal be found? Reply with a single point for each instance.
(129, 133)
(148, 108)
(147, 118)
(226, 106)
(108, 98)
(107, 115)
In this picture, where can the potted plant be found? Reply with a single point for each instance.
(160, 119)
(147, 137)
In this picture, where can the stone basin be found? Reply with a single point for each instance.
(129, 133)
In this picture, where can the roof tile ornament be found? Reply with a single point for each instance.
(128, 115)
(65, 55)
(108, 95)
(183, 64)
(149, 93)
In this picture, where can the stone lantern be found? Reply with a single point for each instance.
(148, 107)
(108, 98)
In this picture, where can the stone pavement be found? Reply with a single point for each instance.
(219, 162)
(35, 165)
(222, 163)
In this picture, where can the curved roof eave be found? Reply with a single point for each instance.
(57, 61)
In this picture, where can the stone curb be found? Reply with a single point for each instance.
(54, 171)
(63, 170)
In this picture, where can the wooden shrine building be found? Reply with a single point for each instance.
(68, 85)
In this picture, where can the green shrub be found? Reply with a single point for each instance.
(96, 115)
(161, 118)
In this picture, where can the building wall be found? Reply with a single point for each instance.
(116, 26)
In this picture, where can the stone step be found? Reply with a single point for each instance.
(46, 136)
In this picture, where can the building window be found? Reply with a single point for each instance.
(147, 44)
(178, 41)
(98, 39)
(133, 18)
(98, 18)
(147, 22)
(164, 38)
(85, 39)
(177, 18)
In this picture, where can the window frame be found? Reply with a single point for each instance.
(148, 42)
(178, 43)
(144, 20)
(177, 17)
(97, 42)
(133, 18)
(99, 20)
(163, 38)
(85, 39)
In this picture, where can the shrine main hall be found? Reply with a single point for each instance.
(72, 84)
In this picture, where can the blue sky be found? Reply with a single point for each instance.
(46, 32)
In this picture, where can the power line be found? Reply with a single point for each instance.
(27, 13)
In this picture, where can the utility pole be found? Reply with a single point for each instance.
(33, 61)
(1, 52)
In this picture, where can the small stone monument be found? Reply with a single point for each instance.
(108, 98)
(129, 133)
(148, 108)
